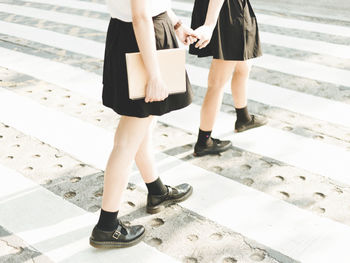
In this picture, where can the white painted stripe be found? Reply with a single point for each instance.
(54, 39)
(231, 204)
(314, 46)
(312, 155)
(74, 4)
(96, 49)
(284, 22)
(322, 163)
(89, 84)
(63, 75)
(57, 228)
(322, 109)
(304, 69)
(59, 17)
(263, 19)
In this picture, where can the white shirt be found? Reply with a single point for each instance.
(121, 9)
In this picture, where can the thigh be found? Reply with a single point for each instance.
(131, 131)
(221, 71)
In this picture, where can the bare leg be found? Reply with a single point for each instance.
(129, 135)
(239, 84)
(220, 72)
(145, 158)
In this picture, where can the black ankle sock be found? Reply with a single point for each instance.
(157, 187)
(243, 115)
(203, 137)
(108, 220)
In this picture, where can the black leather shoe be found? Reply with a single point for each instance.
(123, 236)
(215, 146)
(156, 203)
(254, 123)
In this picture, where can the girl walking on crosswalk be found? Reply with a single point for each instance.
(228, 32)
(137, 25)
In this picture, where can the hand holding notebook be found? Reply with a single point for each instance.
(172, 66)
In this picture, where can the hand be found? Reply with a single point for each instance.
(186, 35)
(204, 34)
(156, 90)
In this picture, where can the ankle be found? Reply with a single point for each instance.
(108, 221)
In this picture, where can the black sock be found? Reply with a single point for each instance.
(157, 187)
(203, 137)
(243, 115)
(108, 220)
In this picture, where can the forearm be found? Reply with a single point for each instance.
(144, 32)
(173, 17)
(213, 12)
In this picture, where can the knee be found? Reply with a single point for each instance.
(242, 70)
(216, 83)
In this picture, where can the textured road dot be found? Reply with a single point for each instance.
(156, 222)
(258, 256)
(192, 237)
(48, 181)
(319, 196)
(279, 178)
(287, 128)
(284, 195)
(29, 91)
(131, 204)
(302, 178)
(44, 98)
(229, 260)
(246, 167)
(10, 157)
(216, 236)
(155, 241)
(101, 111)
(319, 210)
(1, 136)
(337, 190)
(67, 96)
(190, 260)
(58, 155)
(82, 164)
(318, 137)
(16, 145)
(83, 104)
(59, 165)
(49, 90)
(248, 181)
(75, 179)
(70, 194)
(36, 155)
(6, 126)
(29, 168)
(217, 169)
(98, 119)
(165, 135)
(98, 194)
(130, 187)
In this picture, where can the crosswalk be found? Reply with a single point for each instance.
(60, 229)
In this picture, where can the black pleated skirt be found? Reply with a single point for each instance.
(236, 35)
(120, 40)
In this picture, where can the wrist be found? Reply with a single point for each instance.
(177, 25)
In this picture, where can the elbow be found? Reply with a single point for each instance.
(140, 18)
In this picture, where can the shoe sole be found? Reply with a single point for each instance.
(199, 154)
(249, 128)
(157, 209)
(116, 244)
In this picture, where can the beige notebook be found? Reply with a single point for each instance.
(172, 67)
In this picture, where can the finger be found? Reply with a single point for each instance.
(200, 43)
(205, 43)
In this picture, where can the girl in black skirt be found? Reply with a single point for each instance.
(228, 32)
(137, 25)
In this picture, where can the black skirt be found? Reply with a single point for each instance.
(236, 35)
(120, 40)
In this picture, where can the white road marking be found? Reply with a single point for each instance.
(283, 227)
(58, 228)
